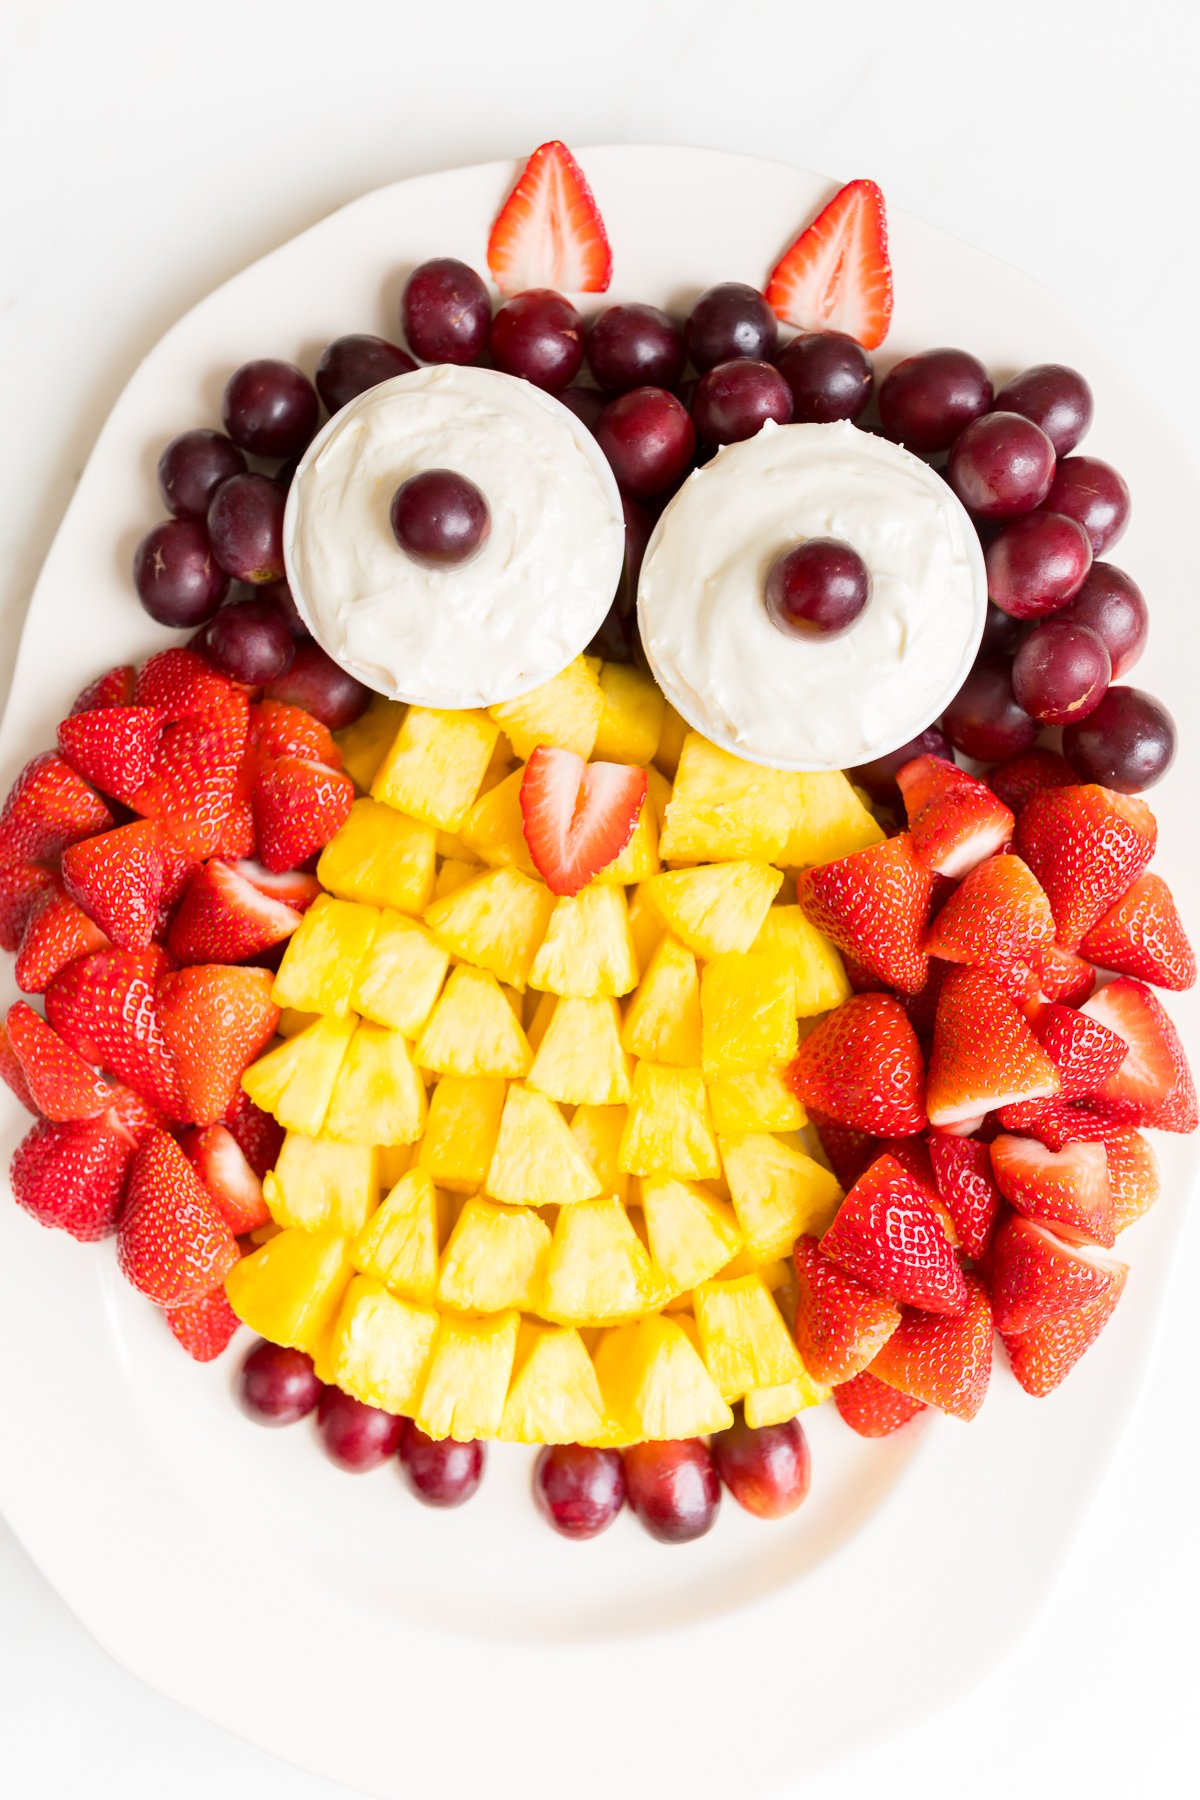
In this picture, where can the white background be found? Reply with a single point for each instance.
(149, 150)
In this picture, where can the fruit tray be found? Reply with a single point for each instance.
(352, 1587)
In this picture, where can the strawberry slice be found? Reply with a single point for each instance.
(215, 1020)
(874, 905)
(888, 1237)
(258, 1135)
(205, 1327)
(984, 1054)
(549, 232)
(22, 885)
(998, 915)
(112, 689)
(848, 1152)
(944, 1360)
(117, 878)
(105, 1007)
(1133, 1178)
(962, 1168)
(1044, 1356)
(223, 918)
(1032, 772)
(872, 1408)
(220, 1162)
(1034, 1277)
(57, 933)
(1063, 976)
(840, 1325)
(60, 1083)
(1086, 845)
(955, 819)
(72, 1175)
(837, 276)
(48, 807)
(173, 1244)
(1153, 1086)
(298, 806)
(577, 817)
(1143, 935)
(862, 1067)
(113, 747)
(1065, 1189)
(12, 1074)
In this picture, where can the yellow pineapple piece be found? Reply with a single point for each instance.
(295, 1081)
(494, 827)
(394, 1161)
(565, 712)
(777, 1273)
(669, 1129)
(436, 765)
(599, 1271)
(289, 1291)
(778, 1192)
(536, 1161)
(632, 721)
(691, 1235)
(379, 1097)
(554, 1397)
(717, 908)
(453, 874)
(401, 975)
(671, 741)
(323, 956)
(830, 821)
(659, 790)
(365, 743)
(817, 971)
(725, 810)
(757, 1100)
(447, 845)
(646, 925)
(655, 1385)
(472, 1030)
(291, 1021)
(580, 1059)
(398, 1246)
(468, 1378)
(776, 1405)
(746, 1005)
(496, 1258)
(322, 1186)
(743, 1340)
(597, 1130)
(662, 1022)
(587, 952)
(639, 859)
(380, 1347)
(461, 1130)
(496, 921)
(380, 858)
(538, 1012)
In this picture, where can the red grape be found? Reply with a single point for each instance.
(1128, 743)
(730, 320)
(673, 1489)
(245, 527)
(1001, 466)
(280, 595)
(322, 687)
(250, 642)
(585, 402)
(1001, 634)
(1054, 397)
(766, 1470)
(648, 439)
(539, 336)
(635, 346)
(440, 518)
(817, 589)
(351, 365)
(178, 579)
(984, 720)
(353, 1435)
(270, 408)
(1091, 491)
(1037, 563)
(878, 776)
(579, 1491)
(192, 468)
(735, 399)
(830, 376)
(441, 1472)
(925, 401)
(446, 312)
(1112, 604)
(1060, 672)
(276, 1386)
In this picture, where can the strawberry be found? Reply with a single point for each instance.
(1032, 772)
(237, 837)
(1153, 1086)
(297, 806)
(862, 1067)
(872, 1408)
(912, 1153)
(549, 232)
(998, 915)
(1065, 1189)
(60, 1083)
(113, 747)
(921, 1007)
(1132, 1177)
(72, 1176)
(173, 1244)
(1143, 935)
(190, 791)
(204, 1327)
(840, 1325)
(942, 1359)
(1057, 1123)
(847, 1151)
(291, 887)
(1062, 976)
(13, 1074)
(215, 1021)
(113, 689)
(1086, 845)
(117, 879)
(861, 979)
(955, 819)
(22, 884)
(1084, 1052)
(577, 817)
(56, 934)
(259, 1136)
(984, 1054)
(874, 905)
(183, 684)
(836, 276)
(279, 730)
(962, 1168)
(223, 918)
(1033, 1276)
(49, 806)
(220, 1162)
(1045, 1355)
(887, 1236)
(105, 1007)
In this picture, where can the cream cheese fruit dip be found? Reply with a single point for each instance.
(484, 630)
(803, 702)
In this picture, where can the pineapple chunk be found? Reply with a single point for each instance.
(632, 721)
(565, 712)
(554, 1397)
(295, 1081)
(580, 1059)
(536, 1161)
(725, 810)
(777, 1273)
(671, 740)
(829, 821)
(323, 956)
(380, 858)
(495, 828)
(599, 1271)
(380, 1347)
(289, 1291)
(597, 1130)
(668, 1130)
(759, 1100)
(662, 1023)
(747, 1012)
(743, 1340)
(820, 980)
(778, 1192)
(401, 975)
(692, 1236)
(398, 1246)
(496, 1258)
(472, 1030)
(776, 1405)
(496, 922)
(639, 859)
(447, 845)
(717, 908)
(646, 925)
(436, 765)
(394, 1161)
(453, 874)
(538, 1012)
(655, 1386)
(365, 743)
(290, 1021)
(379, 1097)
(659, 790)
(468, 1379)
(322, 1186)
(461, 1131)
(587, 952)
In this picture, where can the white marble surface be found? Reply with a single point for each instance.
(148, 151)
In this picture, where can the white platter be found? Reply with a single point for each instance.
(335, 1622)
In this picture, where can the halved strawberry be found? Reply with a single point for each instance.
(221, 1164)
(1033, 1276)
(549, 232)
(984, 1054)
(1062, 975)
(259, 1136)
(298, 806)
(215, 1020)
(874, 905)
(840, 1324)
(1086, 845)
(57, 933)
(205, 1327)
(223, 918)
(113, 746)
(1153, 1086)
(290, 887)
(836, 276)
(60, 1084)
(862, 1066)
(997, 915)
(112, 689)
(1132, 1177)
(72, 1175)
(1045, 1355)
(1032, 772)
(1084, 1052)
(183, 684)
(577, 817)
(173, 1246)
(22, 884)
(942, 1359)
(190, 791)
(12, 1074)
(105, 1007)
(48, 807)
(117, 878)
(1065, 1189)
(962, 1168)
(847, 1151)
(888, 1237)
(276, 729)
(872, 1408)
(921, 1007)
(955, 819)
(1143, 935)
(1057, 1123)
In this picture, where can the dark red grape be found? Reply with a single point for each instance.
(1001, 634)
(280, 595)
(635, 346)
(1091, 491)
(648, 439)
(878, 776)
(245, 527)
(817, 589)
(1060, 672)
(673, 1489)
(441, 1472)
(1113, 605)
(830, 376)
(539, 336)
(1128, 743)
(766, 1470)
(579, 1491)
(925, 401)
(439, 518)
(984, 720)
(1054, 397)
(735, 399)
(730, 320)
(250, 642)
(1001, 466)
(192, 468)
(351, 365)
(1037, 563)
(446, 312)
(270, 408)
(322, 687)
(276, 1386)
(585, 402)
(353, 1435)
(178, 579)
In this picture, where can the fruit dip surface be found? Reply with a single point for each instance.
(801, 702)
(482, 631)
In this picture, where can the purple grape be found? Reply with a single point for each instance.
(351, 365)
(270, 408)
(1060, 673)
(878, 776)
(281, 596)
(446, 312)
(766, 1468)
(673, 1489)
(1112, 604)
(1037, 563)
(577, 1490)
(539, 336)
(1001, 466)
(1092, 492)
(925, 401)
(648, 439)
(245, 527)
(250, 642)
(635, 346)
(353, 1435)
(730, 320)
(985, 720)
(1001, 634)
(440, 1472)
(817, 589)
(586, 403)
(322, 687)
(1127, 743)
(735, 399)
(192, 468)
(1054, 397)
(177, 576)
(276, 1386)
(830, 376)
(440, 518)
